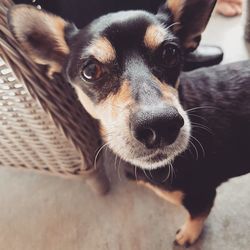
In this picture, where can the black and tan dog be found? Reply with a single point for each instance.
(125, 68)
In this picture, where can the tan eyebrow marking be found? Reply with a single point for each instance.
(154, 36)
(102, 50)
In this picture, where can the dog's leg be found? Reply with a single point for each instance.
(174, 197)
(198, 206)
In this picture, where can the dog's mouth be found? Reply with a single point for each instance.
(154, 160)
(137, 154)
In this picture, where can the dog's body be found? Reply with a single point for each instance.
(125, 68)
(218, 100)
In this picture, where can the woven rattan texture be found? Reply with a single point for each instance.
(29, 137)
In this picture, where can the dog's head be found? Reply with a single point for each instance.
(124, 67)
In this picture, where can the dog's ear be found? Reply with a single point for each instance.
(189, 19)
(42, 35)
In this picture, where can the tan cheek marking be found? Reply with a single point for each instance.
(154, 36)
(168, 90)
(121, 99)
(174, 197)
(123, 95)
(96, 111)
(86, 102)
(169, 93)
(113, 104)
(103, 131)
(102, 50)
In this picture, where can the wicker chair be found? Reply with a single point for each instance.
(42, 124)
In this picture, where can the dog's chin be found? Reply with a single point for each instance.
(148, 165)
(155, 160)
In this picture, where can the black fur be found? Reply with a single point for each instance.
(83, 12)
(219, 103)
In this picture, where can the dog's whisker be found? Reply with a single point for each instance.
(118, 168)
(201, 126)
(198, 125)
(167, 175)
(202, 148)
(145, 173)
(151, 174)
(191, 152)
(106, 149)
(196, 151)
(97, 154)
(119, 174)
(202, 107)
(190, 114)
(136, 173)
(205, 129)
(116, 156)
(172, 172)
(171, 25)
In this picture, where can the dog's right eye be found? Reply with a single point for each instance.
(171, 55)
(91, 71)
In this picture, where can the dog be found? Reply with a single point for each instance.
(126, 70)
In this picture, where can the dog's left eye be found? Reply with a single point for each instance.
(170, 55)
(91, 71)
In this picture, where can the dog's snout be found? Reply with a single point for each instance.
(155, 127)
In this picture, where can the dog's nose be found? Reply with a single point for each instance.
(155, 127)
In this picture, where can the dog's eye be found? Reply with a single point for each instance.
(91, 71)
(170, 55)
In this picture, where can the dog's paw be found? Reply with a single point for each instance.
(189, 233)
